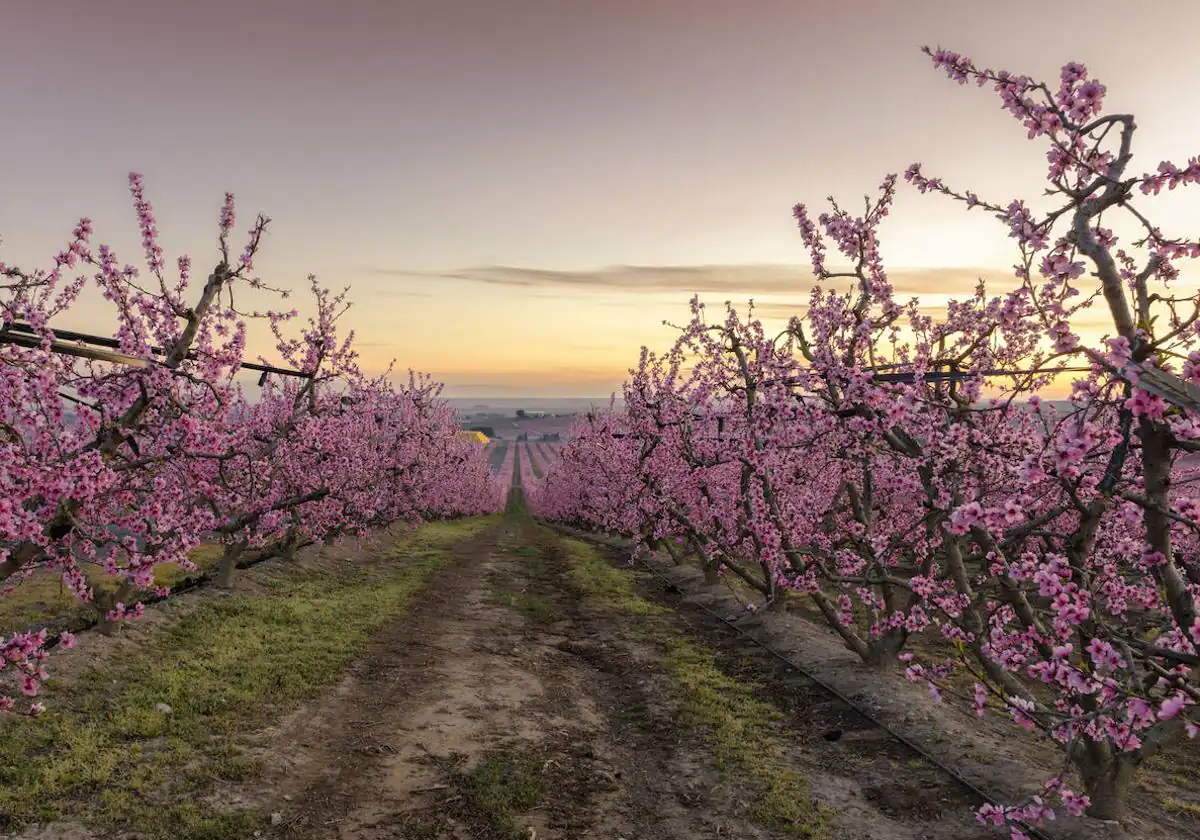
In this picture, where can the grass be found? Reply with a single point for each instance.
(515, 505)
(515, 592)
(43, 599)
(106, 754)
(533, 607)
(607, 587)
(500, 786)
(1188, 808)
(742, 732)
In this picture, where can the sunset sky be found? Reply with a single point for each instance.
(520, 191)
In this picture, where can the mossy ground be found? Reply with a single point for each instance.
(105, 756)
(522, 592)
(43, 599)
(501, 785)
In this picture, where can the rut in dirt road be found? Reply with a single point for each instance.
(532, 693)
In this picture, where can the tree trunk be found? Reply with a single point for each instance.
(849, 636)
(884, 650)
(880, 657)
(673, 551)
(290, 544)
(229, 564)
(712, 574)
(1106, 775)
(779, 601)
(106, 602)
(666, 546)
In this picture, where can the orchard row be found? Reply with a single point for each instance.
(905, 472)
(124, 458)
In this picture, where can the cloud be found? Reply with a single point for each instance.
(391, 291)
(737, 281)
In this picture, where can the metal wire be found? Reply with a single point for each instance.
(23, 335)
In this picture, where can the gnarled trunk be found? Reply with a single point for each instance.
(883, 651)
(1106, 775)
(233, 551)
(779, 599)
(291, 544)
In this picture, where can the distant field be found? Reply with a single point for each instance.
(509, 427)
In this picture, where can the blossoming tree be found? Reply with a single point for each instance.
(127, 455)
(906, 473)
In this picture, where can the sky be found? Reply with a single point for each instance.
(519, 192)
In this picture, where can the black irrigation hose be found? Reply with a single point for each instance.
(1028, 829)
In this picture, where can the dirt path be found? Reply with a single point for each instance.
(507, 705)
(470, 721)
(456, 723)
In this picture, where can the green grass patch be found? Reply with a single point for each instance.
(1177, 806)
(533, 607)
(444, 534)
(43, 599)
(516, 592)
(104, 754)
(501, 786)
(610, 588)
(515, 505)
(743, 733)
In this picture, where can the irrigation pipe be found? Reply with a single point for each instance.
(786, 660)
